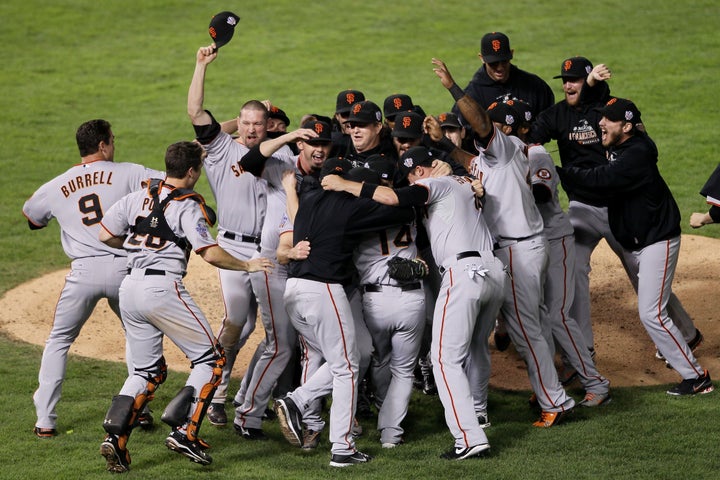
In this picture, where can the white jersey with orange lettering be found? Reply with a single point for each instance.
(517, 227)
(78, 199)
(559, 288)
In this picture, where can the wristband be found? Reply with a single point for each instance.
(456, 92)
(367, 190)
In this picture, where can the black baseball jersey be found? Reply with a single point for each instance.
(331, 222)
(578, 136)
(641, 208)
(521, 85)
(711, 191)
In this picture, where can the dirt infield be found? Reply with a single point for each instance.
(625, 353)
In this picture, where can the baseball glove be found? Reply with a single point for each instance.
(407, 270)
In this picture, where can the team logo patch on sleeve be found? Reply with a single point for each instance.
(202, 229)
(544, 174)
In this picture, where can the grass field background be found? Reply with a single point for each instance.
(130, 62)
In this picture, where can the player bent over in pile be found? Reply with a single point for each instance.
(159, 226)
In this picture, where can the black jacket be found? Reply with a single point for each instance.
(578, 136)
(641, 208)
(521, 85)
(332, 222)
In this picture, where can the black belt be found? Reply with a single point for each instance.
(469, 253)
(149, 271)
(242, 237)
(519, 239)
(369, 287)
(460, 256)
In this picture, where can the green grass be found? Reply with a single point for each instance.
(130, 62)
(640, 434)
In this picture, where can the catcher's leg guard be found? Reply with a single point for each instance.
(177, 410)
(155, 376)
(216, 357)
(117, 418)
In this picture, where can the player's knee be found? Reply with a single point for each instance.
(177, 410)
(117, 418)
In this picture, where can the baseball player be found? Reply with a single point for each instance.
(233, 168)
(472, 284)
(368, 135)
(513, 118)
(159, 226)
(573, 122)
(78, 199)
(498, 79)
(517, 227)
(318, 306)
(394, 104)
(280, 336)
(711, 192)
(394, 311)
(645, 219)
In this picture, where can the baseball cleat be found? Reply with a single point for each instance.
(311, 440)
(549, 419)
(567, 375)
(595, 399)
(693, 386)
(290, 420)
(483, 419)
(463, 453)
(117, 459)
(45, 432)
(216, 414)
(195, 451)
(250, 433)
(145, 420)
(502, 340)
(349, 460)
(693, 344)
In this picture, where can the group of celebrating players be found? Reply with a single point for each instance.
(371, 244)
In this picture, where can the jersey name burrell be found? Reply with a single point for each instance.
(85, 181)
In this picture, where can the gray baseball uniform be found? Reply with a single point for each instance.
(517, 226)
(471, 293)
(78, 199)
(560, 275)
(394, 313)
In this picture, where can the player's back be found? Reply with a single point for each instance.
(79, 198)
(454, 219)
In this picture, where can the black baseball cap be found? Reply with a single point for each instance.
(505, 114)
(413, 157)
(523, 109)
(575, 67)
(346, 98)
(222, 27)
(395, 104)
(363, 174)
(495, 47)
(279, 114)
(384, 166)
(620, 109)
(449, 119)
(408, 125)
(323, 130)
(364, 112)
(335, 166)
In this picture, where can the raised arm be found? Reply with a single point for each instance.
(196, 93)
(379, 193)
(475, 115)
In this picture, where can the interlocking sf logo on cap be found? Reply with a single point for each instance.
(350, 98)
(406, 121)
(356, 108)
(318, 128)
(496, 45)
(442, 117)
(397, 102)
